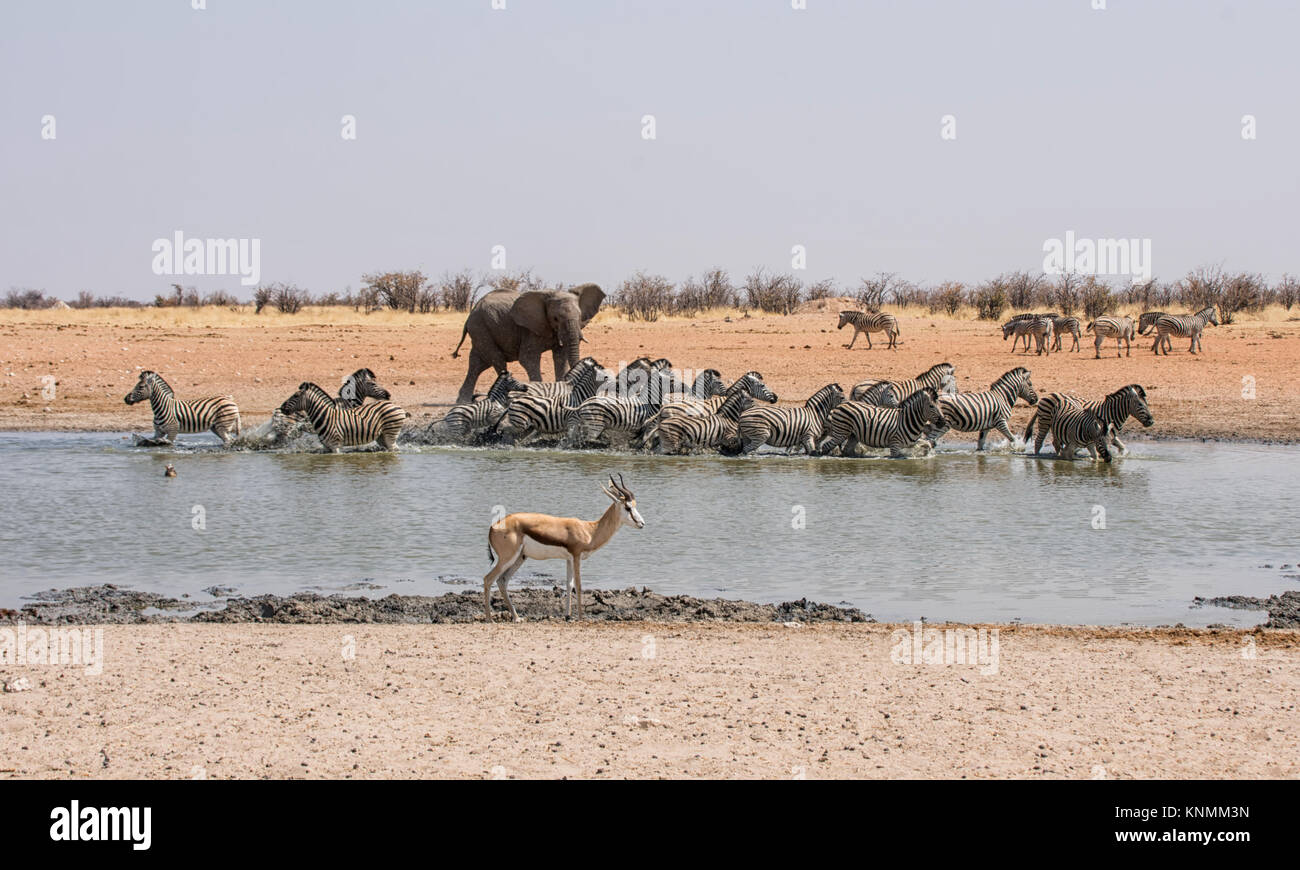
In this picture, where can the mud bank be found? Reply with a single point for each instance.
(114, 605)
(1283, 610)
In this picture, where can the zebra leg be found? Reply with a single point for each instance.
(1155, 345)
(1006, 432)
(853, 340)
(1114, 439)
(979, 445)
(1097, 343)
(867, 335)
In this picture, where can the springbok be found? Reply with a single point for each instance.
(541, 536)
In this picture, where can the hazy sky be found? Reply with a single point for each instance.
(523, 127)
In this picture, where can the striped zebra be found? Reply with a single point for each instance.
(1066, 324)
(1146, 320)
(1041, 329)
(172, 416)
(889, 394)
(706, 385)
(987, 409)
(1114, 410)
(606, 419)
(750, 384)
(356, 388)
(1118, 328)
(867, 322)
(854, 424)
(720, 431)
(1032, 316)
(564, 386)
(337, 425)
(464, 422)
(531, 415)
(1183, 326)
(790, 427)
(1074, 427)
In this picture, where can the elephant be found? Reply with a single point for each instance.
(506, 325)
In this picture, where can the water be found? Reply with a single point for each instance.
(957, 536)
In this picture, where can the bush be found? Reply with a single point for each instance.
(1096, 298)
(773, 294)
(948, 297)
(1287, 291)
(521, 282)
(644, 297)
(221, 299)
(29, 300)
(401, 291)
(262, 298)
(457, 291)
(1065, 294)
(905, 294)
(990, 299)
(823, 289)
(872, 292)
(1241, 292)
(1024, 291)
(289, 298)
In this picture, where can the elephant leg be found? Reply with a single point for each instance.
(477, 364)
(561, 361)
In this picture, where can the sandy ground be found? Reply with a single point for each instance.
(95, 356)
(654, 700)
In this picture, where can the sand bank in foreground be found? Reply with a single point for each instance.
(655, 700)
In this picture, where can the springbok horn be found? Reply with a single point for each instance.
(623, 486)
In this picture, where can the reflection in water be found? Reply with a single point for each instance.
(956, 535)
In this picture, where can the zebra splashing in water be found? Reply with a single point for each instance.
(790, 427)
(532, 415)
(172, 416)
(608, 419)
(1118, 328)
(867, 322)
(1075, 427)
(462, 423)
(720, 431)
(1114, 410)
(339, 426)
(1183, 326)
(988, 409)
(356, 388)
(1146, 320)
(942, 377)
(854, 424)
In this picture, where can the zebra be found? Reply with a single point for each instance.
(172, 416)
(1118, 328)
(1074, 427)
(356, 388)
(720, 431)
(889, 394)
(867, 322)
(463, 422)
(706, 385)
(750, 384)
(1066, 324)
(337, 425)
(1019, 317)
(562, 388)
(1183, 326)
(1146, 320)
(531, 415)
(1041, 329)
(608, 418)
(1114, 410)
(989, 409)
(790, 427)
(859, 423)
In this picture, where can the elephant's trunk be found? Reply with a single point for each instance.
(572, 337)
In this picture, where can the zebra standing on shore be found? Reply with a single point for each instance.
(720, 431)
(1063, 325)
(1114, 410)
(867, 322)
(1041, 329)
(1183, 326)
(889, 394)
(1118, 328)
(531, 414)
(1016, 318)
(853, 424)
(1074, 427)
(463, 422)
(337, 425)
(1146, 320)
(988, 409)
(172, 416)
(790, 427)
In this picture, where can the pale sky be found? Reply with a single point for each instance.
(523, 127)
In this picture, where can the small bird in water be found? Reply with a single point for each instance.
(170, 470)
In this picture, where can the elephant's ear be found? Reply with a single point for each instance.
(589, 298)
(529, 311)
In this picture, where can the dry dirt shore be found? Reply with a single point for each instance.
(654, 700)
(95, 356)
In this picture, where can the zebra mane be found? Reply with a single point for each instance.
(310, 389)
(156, 381)
(823, 395)
(944, 367)
(1008, 377)
(919, 396)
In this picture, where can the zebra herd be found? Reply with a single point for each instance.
(1047, 329)
(648, 405)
